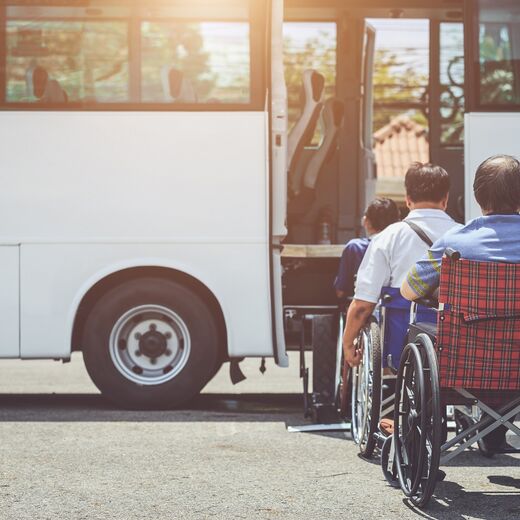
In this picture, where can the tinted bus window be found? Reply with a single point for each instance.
(130, 56)
(499, 53)
(451, 69)
(55, 61)
(195, 62)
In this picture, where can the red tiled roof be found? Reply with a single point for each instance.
(398, 144)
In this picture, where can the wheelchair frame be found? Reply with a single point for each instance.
(411, 456)
(369, 404)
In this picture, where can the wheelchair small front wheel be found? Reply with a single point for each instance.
(388, 463)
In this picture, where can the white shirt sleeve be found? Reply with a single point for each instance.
(374, 271)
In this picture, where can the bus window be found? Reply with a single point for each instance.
(498, 53)
(309, 45)
(204, 62)
(52, 60)
(452, 83)
(187, 55)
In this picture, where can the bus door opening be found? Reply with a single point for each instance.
(418, 100)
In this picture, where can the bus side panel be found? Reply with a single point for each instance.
(133, 176)
(9, 301)
(55, 277)
(487, 134)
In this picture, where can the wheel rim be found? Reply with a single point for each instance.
(417, 436)
(150, 344)
(362, 385)
(410, 432)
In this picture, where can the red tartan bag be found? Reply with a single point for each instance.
(478, 340)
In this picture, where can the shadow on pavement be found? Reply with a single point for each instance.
(452, 501)
(206, 407)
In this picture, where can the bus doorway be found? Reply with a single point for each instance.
(380, 75)
(418, 92)
(370, 90)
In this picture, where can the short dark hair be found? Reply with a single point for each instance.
(382, 212)
(426, 182)
(497, 184)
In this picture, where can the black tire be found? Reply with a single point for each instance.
(418, 421)
(364, 430)
(200, 361)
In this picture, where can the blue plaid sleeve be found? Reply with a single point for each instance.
(424, 276)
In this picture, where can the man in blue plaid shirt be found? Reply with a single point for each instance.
(494, 237)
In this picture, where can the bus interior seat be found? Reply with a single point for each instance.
(313, 84)
(54, 93)
(332, 120)
(305, 178)
(176, 87)
(45, 89)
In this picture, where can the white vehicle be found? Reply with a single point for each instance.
(149, 179)
(493, 71)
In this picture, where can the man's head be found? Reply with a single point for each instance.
(380, 214)
(497, 185)
(427, 186)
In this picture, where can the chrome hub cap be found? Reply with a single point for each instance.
(150, 344)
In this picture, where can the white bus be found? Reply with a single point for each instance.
(155, 212)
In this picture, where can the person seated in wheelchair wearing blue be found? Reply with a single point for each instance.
(394, 250)
(472, 356)
(378, 317)
(490, 238)
(380, 213)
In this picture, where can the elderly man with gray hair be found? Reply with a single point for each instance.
(490, 238)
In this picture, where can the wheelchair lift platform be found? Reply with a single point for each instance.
(321, 405)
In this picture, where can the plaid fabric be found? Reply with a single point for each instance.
(478, 339)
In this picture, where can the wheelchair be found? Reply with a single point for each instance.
(472, 358)
(382, 341)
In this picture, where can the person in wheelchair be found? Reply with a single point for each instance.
(490, 238)
(380, 213)
(394, 250)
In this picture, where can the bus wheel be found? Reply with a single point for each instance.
(151, 343)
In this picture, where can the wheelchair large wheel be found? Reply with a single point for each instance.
(366, 390)
(418, 421)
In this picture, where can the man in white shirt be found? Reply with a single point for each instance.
(398, 247)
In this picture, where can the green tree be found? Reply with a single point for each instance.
(398, 89)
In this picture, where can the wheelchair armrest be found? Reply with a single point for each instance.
(428, 302)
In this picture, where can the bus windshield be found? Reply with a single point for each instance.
(498, 43)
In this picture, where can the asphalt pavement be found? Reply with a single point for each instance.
(65, 453)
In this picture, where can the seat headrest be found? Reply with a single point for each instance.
(175, 79)
(332, 120)
(313, 85)
(176, 87)
(54, 93)
(38, 78)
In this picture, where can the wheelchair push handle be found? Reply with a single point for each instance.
(452, 254)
